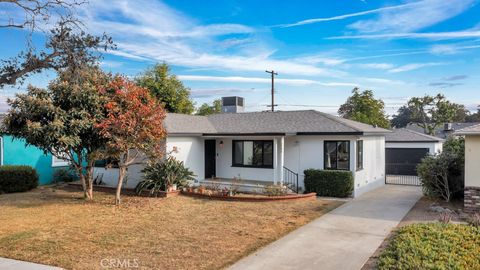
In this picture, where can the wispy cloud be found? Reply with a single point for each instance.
(413, 66)
(206, 93)
(152, 31)
(450, 81)
(381, 66)
(432, 35)
(345, 16)
(456, 78)
(381, 81)
(111, 64)
(444, 84)
(449, 49)
(239, 79)
(413, 16)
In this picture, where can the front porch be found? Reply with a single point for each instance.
(249, 162)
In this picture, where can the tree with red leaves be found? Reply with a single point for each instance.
(133, 126)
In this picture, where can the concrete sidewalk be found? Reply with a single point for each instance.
(9, 264)
(343, 239)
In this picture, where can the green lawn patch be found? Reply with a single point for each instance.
(433, 246)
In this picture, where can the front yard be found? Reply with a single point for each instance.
(56, 227)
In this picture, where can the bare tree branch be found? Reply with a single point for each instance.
(39, 10)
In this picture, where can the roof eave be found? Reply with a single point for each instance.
(331, 133)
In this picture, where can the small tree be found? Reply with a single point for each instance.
(206, 109)
(429, 112)
(442, 175)
(61, 120)
(363, 107)
(167, 89)
(133, 126)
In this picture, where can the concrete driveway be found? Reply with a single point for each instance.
(343, 239)
(9, 264)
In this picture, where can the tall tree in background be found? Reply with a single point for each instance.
(363, 107)
(402, 118)
(207, 109)
(429, 112)
(167, 88)
(474, 117)
(133, 126)
(61, 120)
(66, 44)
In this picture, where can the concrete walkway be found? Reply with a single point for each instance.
(9, 264)
(343, 239)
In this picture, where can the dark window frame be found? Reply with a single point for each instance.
(263, 154)
(336, 155)
(360, 155)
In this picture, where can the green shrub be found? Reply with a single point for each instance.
(17, 179)
(159, 176)
(433, 246)
(329, 183)
(442, 175)
(64, 175)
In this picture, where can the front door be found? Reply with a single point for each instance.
(210, 156)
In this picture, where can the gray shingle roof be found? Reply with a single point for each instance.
(407, 135)
(440, 132)
(187, 124)
(282, 122)
(471, 130)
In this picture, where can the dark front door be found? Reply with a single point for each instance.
(210, 156)
(404, 161)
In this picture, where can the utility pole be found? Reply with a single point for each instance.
(273, 73)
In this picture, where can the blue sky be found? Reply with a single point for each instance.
(321, 49)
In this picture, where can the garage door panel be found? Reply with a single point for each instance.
(404, 161)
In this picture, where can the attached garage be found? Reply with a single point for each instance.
(404, 150)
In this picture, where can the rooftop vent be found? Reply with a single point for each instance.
(233, 104)
(447, 127)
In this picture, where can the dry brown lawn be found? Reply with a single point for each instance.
(56, 227)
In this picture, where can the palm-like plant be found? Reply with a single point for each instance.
(161, 175)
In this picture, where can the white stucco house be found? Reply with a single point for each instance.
(272, 147)
(472, 167)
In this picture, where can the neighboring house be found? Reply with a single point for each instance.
(472, 167)
(405, 148)
(271, 147)
(444, 131)
(16, 152)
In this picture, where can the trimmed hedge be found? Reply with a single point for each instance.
(330, 183)
(433, 246)
(17, 178)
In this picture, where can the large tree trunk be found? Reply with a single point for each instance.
(89, 181)
(82, 180)
(121, 175)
